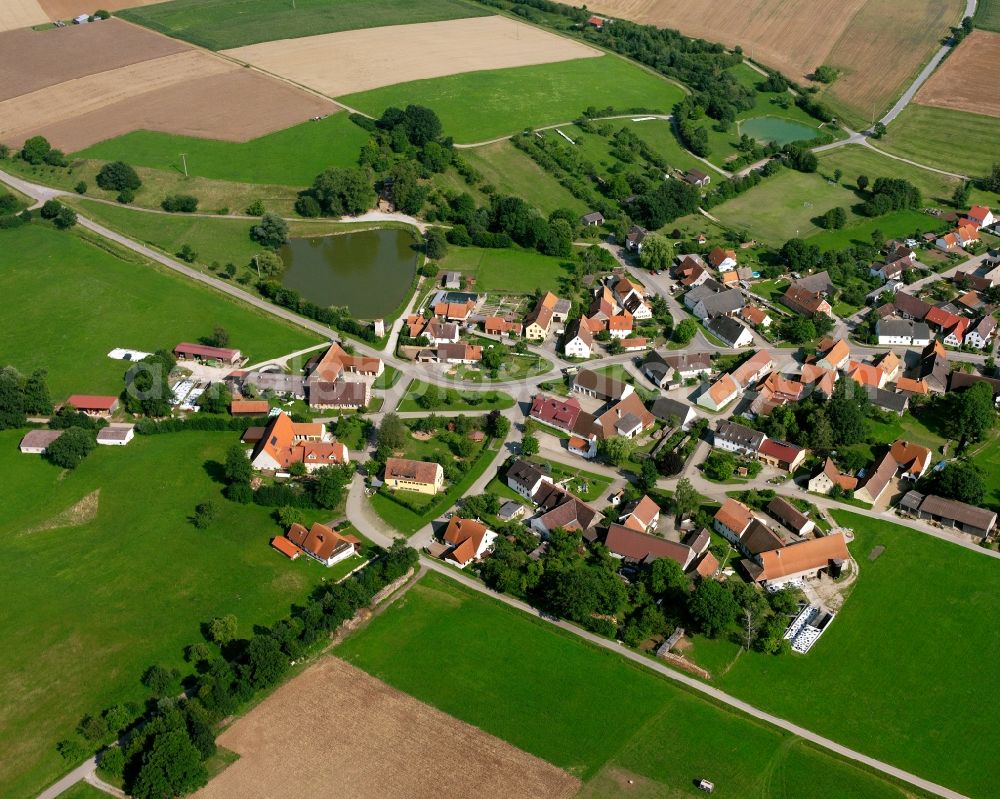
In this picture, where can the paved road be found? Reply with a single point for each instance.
(925, 73)
(81, 772)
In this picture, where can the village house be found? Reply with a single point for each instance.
(957, 381)
(634, 238)
(806, 303)
(981, 216)
(708, 302)
(981, 333)
(584, 447)
(637, 344)
(833, 353)
(804, 559)
(36, 442)
(758, 317)
(627, 418)
(538, 323)
(819, 379)
(697, 178)
(733, 437)
(721, 259)
(718, 395)
(902, 332)
(865, 374)
(828, 477)
(779, 455)
(98, 406)
(579, 340)
(909, 386)
(284, 442)
(555, 411)
(410, 475)
(673, 412)
(634, 546)
(116, 435)
(526, 478)
(674, 369)
(470, 539)
(753, 369)
(599, 386)
(328, 378)
(498, 326)
(460, 352)
(732, 332)
(790, 516)
(620, 325)
(454, 311)
(642, 515)
(888, 401)
(731, 520)
(320, 543)
(185, 351)
(560, 509)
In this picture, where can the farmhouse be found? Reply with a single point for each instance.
(284, 442)
(322, 544)
(962, 380)
(470, 540)
(834, 353)
(339, 394)
(526, 478)
(538, 323)
(758, 317)
(633, 546)
(790, 516)
(981, 334)
(757, 539)
(454, 311)
(410, 475)
(732, 332)
(579, 340)
(642, 515)
(599, 386)
(781, 456)
(116, 435)
(753, 369)
(805, 302)
(627, 418)
(186, 351)
(498, 326)
(804, 559)
(709, 305)
(92, 404)
(732, 519)
(36, 442)
(459, 352)
(720, 393)
(876, 482)
(278, 382)
(666, 371)
(733, 437)
(326, 378)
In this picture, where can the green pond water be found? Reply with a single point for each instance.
(777, 130)
(370, 271)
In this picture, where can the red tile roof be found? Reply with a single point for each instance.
(92, 402)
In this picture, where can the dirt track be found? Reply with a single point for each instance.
(334, 731)
(31, 60)
(965, 79)
(353, 61)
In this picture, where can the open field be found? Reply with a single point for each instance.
(21, 14)
(854, 160)
(987, 456)
(359, 60)
(453, 399)
(951, 87)
(291, 157)
(510, 270)
(796, 36)
(77, 302)
(954, 140)
(31, 60)
(221, 24)
(511, 171)
(477, 106)
(191, 93)
(127, 587)
(988, 15)
(898, 224)
(904, 661)
(375, 755)
(645, 729)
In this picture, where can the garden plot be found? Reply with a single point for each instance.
(354, 61)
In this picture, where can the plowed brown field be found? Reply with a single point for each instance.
(31, 60)
(969, 79)
(355, 61)
(336, 732)
(878, 44)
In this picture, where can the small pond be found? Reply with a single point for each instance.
(777, 130)
(370, 271)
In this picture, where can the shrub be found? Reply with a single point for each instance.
(56, 157)
(118, 176)
(65, 219)
(81, 187)
(256, 208)
(187, 253)
(125, 196)
(35, 149)
(307, 206)
(50, 209)
(183, 203)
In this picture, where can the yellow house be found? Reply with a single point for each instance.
(420, 476)
(538, 323)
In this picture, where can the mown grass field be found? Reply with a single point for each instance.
(953, 140)
(899, 674)
(988, 15)
(899, 224)
(511, 171)
(220, 24)
(854, 160)
(510, 270)
(77, 302)
(290, 157)
(476, 106)
(551, 704)
(453, 399)
(88, 608)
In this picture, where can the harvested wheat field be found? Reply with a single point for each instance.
(190, 93)
(354, 61)
(334, 731)
(963, 81)
(31, 60)
(69, 9)
(880, 44)
(20, 14)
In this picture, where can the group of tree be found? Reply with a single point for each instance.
(180, 203)
(21, 397)
(800, 158)
(891, 194)
(147, 385)
(834, 219)
(270, 232)
(120, 177)
(37, 150)
(62, 216)
(338, 192)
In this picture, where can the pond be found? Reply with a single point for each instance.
(777, 130)
(369, 271)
